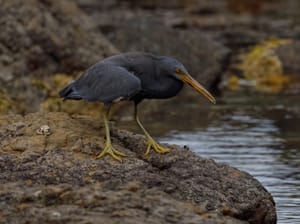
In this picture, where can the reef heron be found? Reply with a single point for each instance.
(131, 76)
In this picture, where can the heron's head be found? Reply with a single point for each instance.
(174, 68)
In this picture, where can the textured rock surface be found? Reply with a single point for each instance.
(56, 179)
(39, 38)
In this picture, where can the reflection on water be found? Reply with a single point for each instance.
(257, 134)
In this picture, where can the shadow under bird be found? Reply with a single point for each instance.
(134, 77)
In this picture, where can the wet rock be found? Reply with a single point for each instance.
(39, 38)
(56, 178)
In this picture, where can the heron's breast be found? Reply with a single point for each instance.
(162, 89)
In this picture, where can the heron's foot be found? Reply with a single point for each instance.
(109, 149)
(152, 144)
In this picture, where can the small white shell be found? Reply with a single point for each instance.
(44, 130)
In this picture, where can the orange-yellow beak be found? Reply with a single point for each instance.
(186, 78)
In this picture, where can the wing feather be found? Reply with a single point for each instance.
(106, 83)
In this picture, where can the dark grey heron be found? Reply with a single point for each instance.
(131, 76)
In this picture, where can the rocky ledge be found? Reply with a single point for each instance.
(53, 177)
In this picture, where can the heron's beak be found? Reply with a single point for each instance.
(186, 78)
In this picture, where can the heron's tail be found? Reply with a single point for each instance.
(69, 92)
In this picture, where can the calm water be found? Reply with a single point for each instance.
(258, 134)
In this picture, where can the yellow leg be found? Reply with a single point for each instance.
(151, 143)
(109, 149)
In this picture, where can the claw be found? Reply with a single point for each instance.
(112, 152)
(156, 147)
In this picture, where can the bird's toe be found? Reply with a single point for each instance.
(112, 152)
(151, 144)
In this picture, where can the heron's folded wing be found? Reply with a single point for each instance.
(107, 83)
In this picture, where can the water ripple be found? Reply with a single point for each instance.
(251, 144)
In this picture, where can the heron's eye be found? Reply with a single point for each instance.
(178, 70)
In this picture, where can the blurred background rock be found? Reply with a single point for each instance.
(41, 39)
